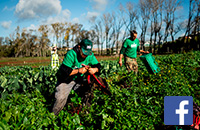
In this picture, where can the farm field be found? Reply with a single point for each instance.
(39, 61)
(137, 102)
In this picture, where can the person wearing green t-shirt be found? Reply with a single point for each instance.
(129, 49)
(70, 74)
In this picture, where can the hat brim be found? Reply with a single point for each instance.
(86, 52)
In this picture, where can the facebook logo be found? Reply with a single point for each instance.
(178, 110)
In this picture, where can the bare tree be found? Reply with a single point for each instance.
(61, 31)
(130, 20)
(76, 29)
(156, 20)
(18, 42)
(56, 31)
(195, 20)
(107, 20)
(27, 43)
(99, 35)
(1, 41)
(193, 7)
(132, 14)
(170, 7)
(117, 27)
(44, 40)
(143, 18)
(67, 35)
(83, 34)
(72, 33)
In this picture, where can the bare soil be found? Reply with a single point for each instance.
(38, 60)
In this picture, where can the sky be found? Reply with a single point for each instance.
(32, 13)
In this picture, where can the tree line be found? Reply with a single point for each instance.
(157, 21)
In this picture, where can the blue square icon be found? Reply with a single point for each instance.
(178, 110)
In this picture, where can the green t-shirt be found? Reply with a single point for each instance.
(130, 48)
(73, 62)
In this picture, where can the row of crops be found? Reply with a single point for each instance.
(137, 102)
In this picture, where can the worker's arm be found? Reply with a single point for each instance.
(78, 70)
(144, 51)
(120, 59)
(122, 51)
(93, 69)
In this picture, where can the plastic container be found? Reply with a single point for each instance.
(150, 63)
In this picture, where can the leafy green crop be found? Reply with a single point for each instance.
(137, 102)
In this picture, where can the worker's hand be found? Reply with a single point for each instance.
(146, 52)
(92, 70)
(86, 66)
(120, 63)
(82, 70)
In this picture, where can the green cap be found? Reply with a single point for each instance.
(86, 46)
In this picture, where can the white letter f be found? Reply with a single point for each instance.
(181, 111)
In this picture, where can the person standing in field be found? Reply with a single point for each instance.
(54, 58)
(129, 49)
(75, 64)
